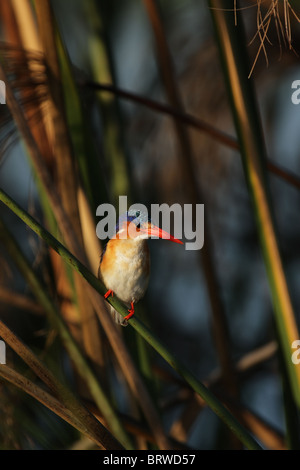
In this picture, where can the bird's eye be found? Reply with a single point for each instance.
(137, 214)
(138, 225)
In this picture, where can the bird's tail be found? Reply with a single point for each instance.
(117, 317)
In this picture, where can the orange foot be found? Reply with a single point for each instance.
(131, 312)
(108, 293)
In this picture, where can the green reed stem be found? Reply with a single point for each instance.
(148, 335)
(82, 365)
(233, 51)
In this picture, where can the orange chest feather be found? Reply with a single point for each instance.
(125, 268)
(124, 255)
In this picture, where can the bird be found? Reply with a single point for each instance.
(124, 266)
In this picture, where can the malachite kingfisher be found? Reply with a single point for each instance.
(125, 262)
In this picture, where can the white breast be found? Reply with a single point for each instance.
(129, 273)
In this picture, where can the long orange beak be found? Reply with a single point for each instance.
(155, 231)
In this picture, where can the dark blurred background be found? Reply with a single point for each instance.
(177, 305)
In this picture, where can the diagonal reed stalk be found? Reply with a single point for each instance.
(44, 397)
(233, 52)
(81, 363)
(145, 332)
(134, 380)
(71, 409)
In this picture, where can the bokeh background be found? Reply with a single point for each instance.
(134, 150)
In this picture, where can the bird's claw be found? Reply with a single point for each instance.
(108, 293)
(131, 312)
